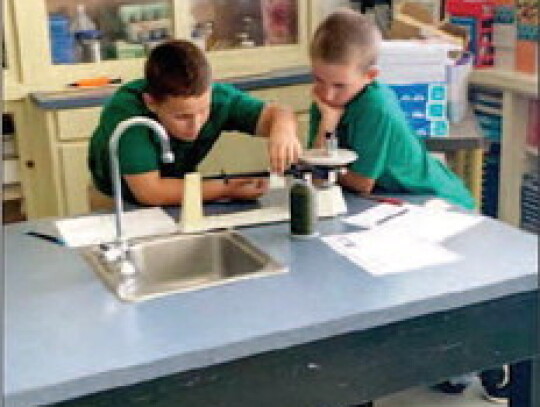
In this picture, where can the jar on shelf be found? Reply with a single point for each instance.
(279, 21)
(210, 35)
(244, 41)
(89, 43)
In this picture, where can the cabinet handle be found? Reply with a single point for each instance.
(30, 164)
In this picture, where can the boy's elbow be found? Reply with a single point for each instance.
(146, 188)
(146, 194)
(357, 182)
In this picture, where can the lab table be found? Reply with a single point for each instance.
(326, 333)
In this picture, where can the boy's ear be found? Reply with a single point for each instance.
(372, 73)
(149, 101)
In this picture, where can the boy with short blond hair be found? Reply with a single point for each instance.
(366, 117)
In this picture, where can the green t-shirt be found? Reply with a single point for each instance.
(374, 126)
(139, 148)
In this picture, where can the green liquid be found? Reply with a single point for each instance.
(302, 204)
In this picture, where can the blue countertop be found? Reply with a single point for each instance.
(66, 335)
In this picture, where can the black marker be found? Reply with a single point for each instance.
(49, 238)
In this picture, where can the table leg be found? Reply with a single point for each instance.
(474, 179)
(460, 160)
(525, 388)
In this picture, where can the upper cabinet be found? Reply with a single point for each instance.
(66, 40)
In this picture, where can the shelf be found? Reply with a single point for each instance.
(525, 84)
(11, 192)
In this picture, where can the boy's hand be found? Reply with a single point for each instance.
(246, 188)
(330, 116)
(279, 125)
(283, 150)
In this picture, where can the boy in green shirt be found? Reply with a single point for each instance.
(177, 92)
(366, 116)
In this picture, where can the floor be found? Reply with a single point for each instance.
(425, 397)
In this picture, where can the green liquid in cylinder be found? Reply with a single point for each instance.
(303, 211)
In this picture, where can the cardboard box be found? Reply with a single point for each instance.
(527, 56)
(412, 21)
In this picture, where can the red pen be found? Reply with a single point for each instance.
(383, 199)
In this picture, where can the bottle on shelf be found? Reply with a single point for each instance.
(81, 20)
(87, 36)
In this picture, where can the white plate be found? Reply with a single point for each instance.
(320, 157)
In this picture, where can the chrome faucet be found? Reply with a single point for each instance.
(166, 155)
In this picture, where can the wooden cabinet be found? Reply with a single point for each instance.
(54, 161)
(75, 177)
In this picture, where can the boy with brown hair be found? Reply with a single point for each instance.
(178, 92)
(366, 117)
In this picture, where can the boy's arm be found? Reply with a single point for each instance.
(330, 117)
(150, 188)
(278, 123)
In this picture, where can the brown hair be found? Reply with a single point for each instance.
(177, 68)
(346, 35)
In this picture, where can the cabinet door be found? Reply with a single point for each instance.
(77, 124)
(75, 178)
(64, 41)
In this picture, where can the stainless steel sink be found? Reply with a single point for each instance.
(177, 263)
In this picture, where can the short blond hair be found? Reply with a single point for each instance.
(345, 36)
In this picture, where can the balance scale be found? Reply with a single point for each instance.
(275, 204)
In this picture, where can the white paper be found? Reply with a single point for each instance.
(375, 215)
(383, 251)
(95, 229)
(430, 224)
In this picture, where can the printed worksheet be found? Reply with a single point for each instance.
(382, 251)
(426, 223)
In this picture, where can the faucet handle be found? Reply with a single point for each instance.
(110, 253)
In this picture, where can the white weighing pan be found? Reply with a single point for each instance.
(322, 158)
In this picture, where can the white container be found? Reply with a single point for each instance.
(458, 83)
